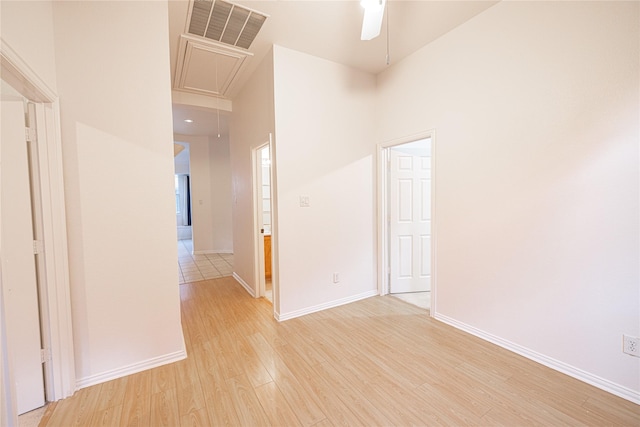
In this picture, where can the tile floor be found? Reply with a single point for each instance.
(202, 267)
(421, 299)
(31, 419)
(268, 290)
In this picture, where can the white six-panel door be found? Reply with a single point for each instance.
(18, 262)
(410, 217)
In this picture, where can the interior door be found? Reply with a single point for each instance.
(410, 217)
(265, 191)
(18, 261)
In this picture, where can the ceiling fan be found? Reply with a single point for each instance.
(372, 22)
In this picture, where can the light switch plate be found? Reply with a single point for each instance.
(304, 202)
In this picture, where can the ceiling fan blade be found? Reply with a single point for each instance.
(372, 22)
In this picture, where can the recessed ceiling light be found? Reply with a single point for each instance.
(189, 121)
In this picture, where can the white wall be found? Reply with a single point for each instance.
(113, 79)
(535, 107)
(251, 124)
(201, 202)
(210, 180)
(27, 27)
(324, 115)
(220, 166)
(181, 162)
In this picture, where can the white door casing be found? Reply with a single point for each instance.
(410, 217)
(18, 261)
(53, 267)
(259, 220)
(259, 214)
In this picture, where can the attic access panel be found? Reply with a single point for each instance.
(224, 22)
(206, 67)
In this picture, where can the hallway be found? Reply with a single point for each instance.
(194, 268)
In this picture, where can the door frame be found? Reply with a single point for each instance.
(259, 261)
(54, 289)
(258, 222)
(383, 211)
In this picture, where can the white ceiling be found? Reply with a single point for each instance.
(331, 30)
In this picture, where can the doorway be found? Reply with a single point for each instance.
(406, 203)
(18, 260)
(183, 206)
(181, 163)
(45, 195)
(263, 215)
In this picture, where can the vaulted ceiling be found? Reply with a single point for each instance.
(325, 28)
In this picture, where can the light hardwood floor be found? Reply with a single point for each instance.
(379, 361)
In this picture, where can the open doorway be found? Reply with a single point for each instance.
(182, 180)
(19, 237)
(263, 215)
(36, 345)
(45, 194)
(182, 190)
(183, 206)
(406, 168)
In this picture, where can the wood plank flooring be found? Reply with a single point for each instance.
(379, 361)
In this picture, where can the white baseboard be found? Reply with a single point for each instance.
(244, 285)
(131, 369)
(572, 371)
(297, 313)
(213, 251)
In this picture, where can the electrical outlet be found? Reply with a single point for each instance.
(631, 345)
(305, 202)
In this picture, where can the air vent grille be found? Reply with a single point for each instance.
(225, 22)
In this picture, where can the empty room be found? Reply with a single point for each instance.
(392, 213)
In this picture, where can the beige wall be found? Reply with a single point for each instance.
(535, 107)
(114, 87)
